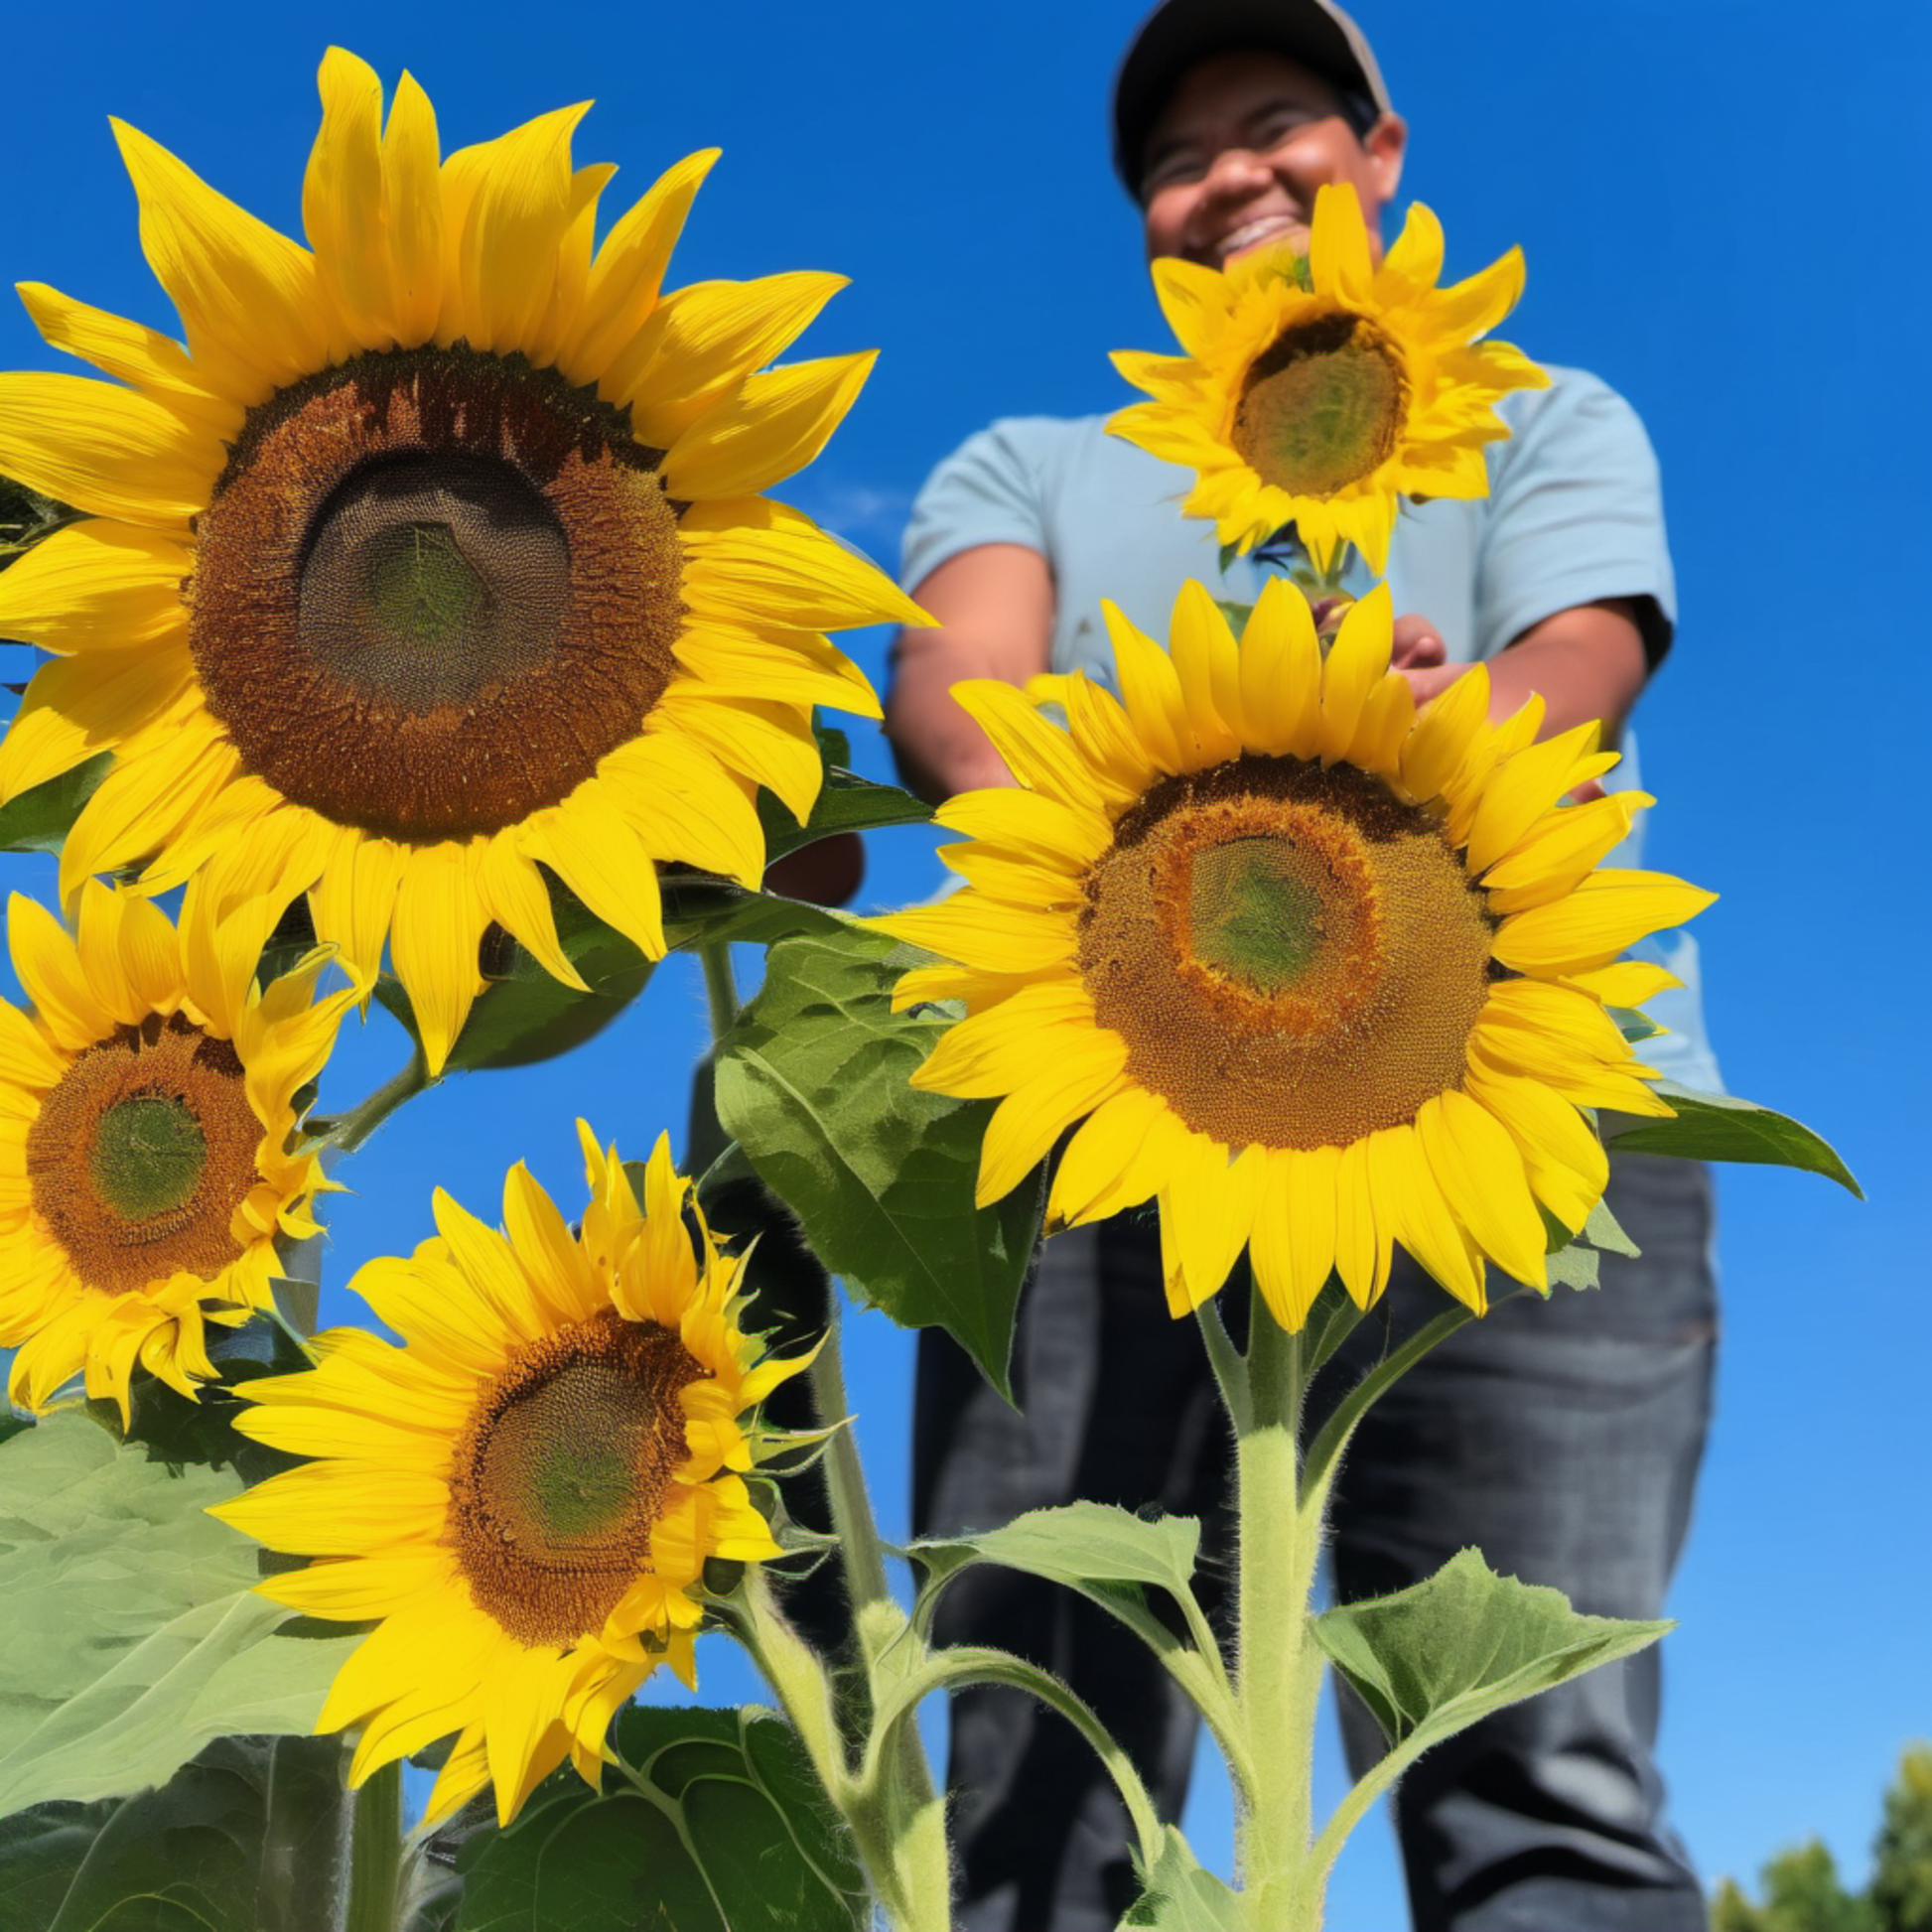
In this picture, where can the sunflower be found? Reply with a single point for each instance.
(1316, 392)
(439, 555)
(1316, 971)
(147, 1115)
(525, 1493)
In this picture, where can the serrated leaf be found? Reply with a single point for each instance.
(846, 803)
(1574, 1265)
(244, 1838)
(1183, 1898)
(729, 1833)
(1720, 1127)
(39, 818)
(1604, 1232)
(134, 1637)
(699, 909)
(813, 1084)
(1433, 1659)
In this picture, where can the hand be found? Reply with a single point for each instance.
(1418, 653)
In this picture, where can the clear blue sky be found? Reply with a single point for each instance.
(1710, 198)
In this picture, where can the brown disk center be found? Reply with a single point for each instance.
(433, 589)
(1293, 957)
(1323, 408)
(563, 1472)
(140, 1157)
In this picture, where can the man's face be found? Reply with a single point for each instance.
(1236, 157)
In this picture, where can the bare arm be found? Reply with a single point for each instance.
(995, 609)
(1588, 662)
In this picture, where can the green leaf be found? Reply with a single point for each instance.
(1635, 1027)
(723, 1829)
(244, 1838)
(1183, 1898)
(1574, 1265)
(698, 909)
(39, 819)
(1604, 1232)
(26, 517)
(134, 1637)
(1235, 615)
(1433, 1659)
(1080, 1544)
(813, 1084)
(846, 803)
(1720, 1127)
(524, 1015)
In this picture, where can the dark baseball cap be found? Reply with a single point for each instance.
(1179, 33)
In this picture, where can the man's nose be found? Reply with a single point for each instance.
(1236, 170)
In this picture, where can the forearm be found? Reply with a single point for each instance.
(1585, 663)
(938, 748)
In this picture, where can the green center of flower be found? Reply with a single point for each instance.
(569, 1461)
(148, 1157)
(565, 1464)
(1323, 408)
(1255, 912)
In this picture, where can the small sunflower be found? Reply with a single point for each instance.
(147, 1115)
(1316, 971)
(1317, 391)
(525, 1493)
(438, 556)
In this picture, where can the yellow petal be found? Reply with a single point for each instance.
(1562, 1154)
(1521, 789)
(1446, 728)
(1207, 1213)
(765, 428)
(1293, 1247)
(439, 922)
(341, 200)
(1358, 662)
(704, 337)
(104, 449)
(1209, 669)
(687, 810)
(75, 707)
(629, 267)
(48, 965)
(1281, 673)
(1038, 754)
(1026, 1124)
(788, 576)
(355, 899)
(412, 213)
(598, 853)
(513, 226)
(1150, 688)
(1406, 1190)
(150, 361)
(96, 586)
(247, 296)
(1338, 257)
(1481, 1174)
(1608, 912)
(1363, 1230)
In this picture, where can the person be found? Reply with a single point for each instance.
(1562, 1438)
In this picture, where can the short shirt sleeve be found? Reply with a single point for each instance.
(987, 491)
(1575, 515)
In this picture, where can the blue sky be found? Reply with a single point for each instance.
(1708, 195)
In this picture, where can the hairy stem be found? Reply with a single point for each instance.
(720, 985)
(375, 1853)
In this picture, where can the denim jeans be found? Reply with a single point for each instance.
(1562, 1438)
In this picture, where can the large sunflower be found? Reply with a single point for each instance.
(438, 556)
(526, 1492)
(1317, 391)
(1318, 973)
(147, 1114)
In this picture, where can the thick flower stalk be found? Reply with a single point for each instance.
(1317, 974)
(524, 1496)
(1319, 390)
(149, 1158)
(438, 557)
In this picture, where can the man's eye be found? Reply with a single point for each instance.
(1172, 169)
(1278, 130)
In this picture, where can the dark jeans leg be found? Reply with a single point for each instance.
(1116, 1403)
(1563, 1440)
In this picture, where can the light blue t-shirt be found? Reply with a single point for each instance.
(1574, 514)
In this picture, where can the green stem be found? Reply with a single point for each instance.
(720, 985)
(1230, 1371)
(352, 1128)
(845, 1476)
(974, 1664)
(1278, 1680)
(1327, 1448)
(375, 1853)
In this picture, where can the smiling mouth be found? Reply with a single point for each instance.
(1254, 233)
